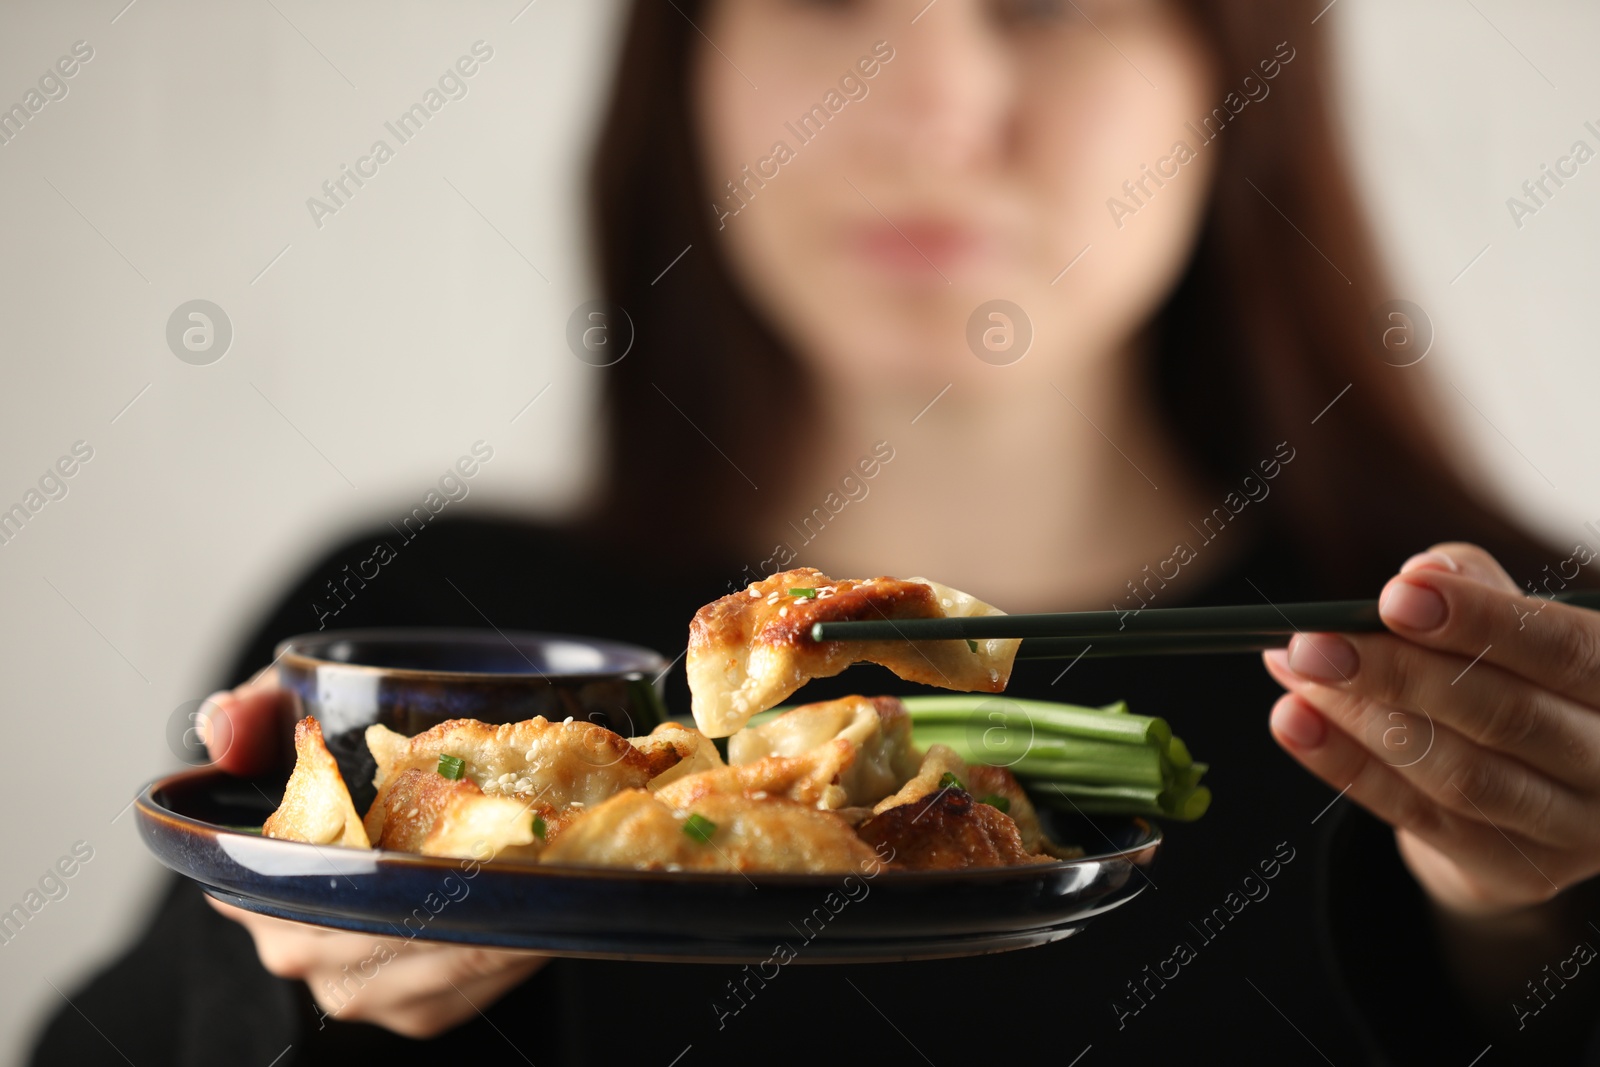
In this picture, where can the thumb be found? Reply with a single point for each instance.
(244, 727)
(1467, 560)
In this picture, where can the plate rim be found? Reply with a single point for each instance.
(839, 953)
(147, 807)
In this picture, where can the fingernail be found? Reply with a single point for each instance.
(1430, 560)
(1296, 722)
(1323, 657)
(1279, 658)
(1415, 607)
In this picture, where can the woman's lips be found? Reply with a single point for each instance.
(920, 247)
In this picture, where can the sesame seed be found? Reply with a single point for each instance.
(783, 611)
(754, 592)
(567, 721)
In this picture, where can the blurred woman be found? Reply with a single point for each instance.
(1083, 284)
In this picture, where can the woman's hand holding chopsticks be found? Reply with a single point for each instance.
(1472, 727)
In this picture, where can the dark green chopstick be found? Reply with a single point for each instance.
(1141, 645)
(1153, 631)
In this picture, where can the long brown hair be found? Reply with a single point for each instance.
(1270, 324)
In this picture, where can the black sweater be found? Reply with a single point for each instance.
(1332, 959)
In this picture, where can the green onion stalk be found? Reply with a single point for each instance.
(1092, 760)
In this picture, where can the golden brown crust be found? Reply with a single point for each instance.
(810, 778)
(948, 830)
(984, 781)
(316, 805)
(661, 754)
(751, 649)
(928, 830)
(427, 813)
(557, 763)
(937, 762)
(644, 831)
(673, 750)
(511, 773)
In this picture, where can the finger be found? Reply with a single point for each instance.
(1496, 865)
(1553, 645)
(1449, 882)
(298, 950)
(254, 920)
(243, 728)
(1307, 735)
(422, 993)
(1486, 703)
(1448, 769)
(1459, 557)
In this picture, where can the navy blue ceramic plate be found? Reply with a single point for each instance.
(621, 914)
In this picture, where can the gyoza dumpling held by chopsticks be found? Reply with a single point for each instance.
(751, 649)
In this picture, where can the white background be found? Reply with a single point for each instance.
(377, 348)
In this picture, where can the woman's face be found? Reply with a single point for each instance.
(878, 169)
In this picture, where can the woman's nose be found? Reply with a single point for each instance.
(946, 97)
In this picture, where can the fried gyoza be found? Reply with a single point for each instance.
(931, 823)
(674, 751)
(514, 772)
(983, 781)
(316, 804)
(559, 763)
(939, 761)
(646, 832)
(878, 727)
(811, 778)
(423, 811)
(751, 649)
(947, 831)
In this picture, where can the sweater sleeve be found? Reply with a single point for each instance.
(1387, 950)
(190, 990)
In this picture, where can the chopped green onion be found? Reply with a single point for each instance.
(995, 800)
(451, 767)
(256, 830)
(700, 828)
(803, 591)
(950, 781)
(539, 828)
(972, 646)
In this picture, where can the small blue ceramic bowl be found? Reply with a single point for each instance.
(409, 680)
